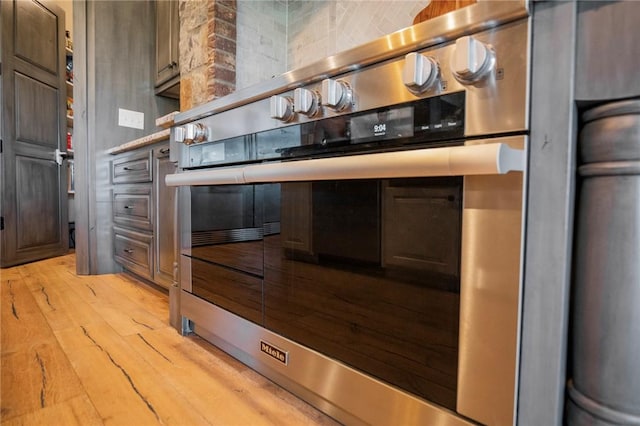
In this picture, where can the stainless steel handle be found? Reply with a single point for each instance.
(127, 207)
(128, 251)
(165, 150)
(486, 159)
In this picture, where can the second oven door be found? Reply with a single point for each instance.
(368, 272)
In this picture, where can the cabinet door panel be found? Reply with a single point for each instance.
(167, 36)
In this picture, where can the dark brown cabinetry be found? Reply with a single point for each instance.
(167, 57)
(143, 213)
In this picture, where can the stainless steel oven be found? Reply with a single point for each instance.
(354, 233)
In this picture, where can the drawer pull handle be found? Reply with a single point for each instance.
(165, 150)
(128, 251)
(127, 207)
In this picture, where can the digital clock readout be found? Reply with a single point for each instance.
(379, 128)
(382, 125)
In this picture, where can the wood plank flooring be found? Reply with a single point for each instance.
(92, 350)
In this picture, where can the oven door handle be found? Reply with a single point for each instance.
(481, 159)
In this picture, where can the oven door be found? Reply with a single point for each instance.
(396, 275)
(366, 272)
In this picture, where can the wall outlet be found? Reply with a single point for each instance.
(133, 119)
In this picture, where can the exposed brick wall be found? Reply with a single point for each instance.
(207, 50)
(222, 48)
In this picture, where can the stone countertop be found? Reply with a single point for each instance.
(140, 142)
(166, 121)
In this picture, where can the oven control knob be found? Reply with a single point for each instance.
(420, 72)
(336, 94)
(195, 132)
(472, 60)
(282, 108)
(178, 134)
(306, 101)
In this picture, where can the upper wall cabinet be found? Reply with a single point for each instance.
(167, 56)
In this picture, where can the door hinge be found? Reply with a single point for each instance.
(1, 223)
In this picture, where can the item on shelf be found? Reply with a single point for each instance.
(68, 43)
(69, 140)
(69, 107)
(69, 70)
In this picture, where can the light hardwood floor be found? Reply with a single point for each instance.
(84, 350)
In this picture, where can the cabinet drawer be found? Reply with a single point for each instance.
(133, 250)
(132, 168)
(133, 207)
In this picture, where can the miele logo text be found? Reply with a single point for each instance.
(274, 352)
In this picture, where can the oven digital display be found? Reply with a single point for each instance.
(382, 125)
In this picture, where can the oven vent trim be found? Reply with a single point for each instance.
(205, 238)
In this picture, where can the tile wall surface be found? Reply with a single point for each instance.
(261, 44)
(318, 29)
(279, 35)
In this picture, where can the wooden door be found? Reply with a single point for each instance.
(33, 199)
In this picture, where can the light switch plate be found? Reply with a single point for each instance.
(133, 119)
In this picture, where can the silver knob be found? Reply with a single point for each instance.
(306, 101)
(281, 108)
(336, 94)
(472, 60)
(195, 132)
(420, 72)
